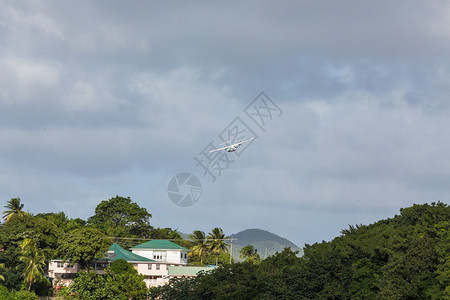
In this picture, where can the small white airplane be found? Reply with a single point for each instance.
(232, 147)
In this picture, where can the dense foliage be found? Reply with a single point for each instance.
(406, 257)
(120, 282)
(5, 294)
(29, 241)
(82, 245)
(121, 217)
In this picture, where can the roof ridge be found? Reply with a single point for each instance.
(160, 244)
(121, 253)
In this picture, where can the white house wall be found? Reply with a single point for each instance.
(143, 269)
(172, 256)
(54, 269)
(145, 253)
(156, 282)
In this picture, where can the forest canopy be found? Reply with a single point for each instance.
(404, 257)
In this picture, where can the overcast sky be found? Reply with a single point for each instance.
(105, 98)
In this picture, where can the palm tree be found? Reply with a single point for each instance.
(249, 253)
(2, 266)
(217, 242)
(15, 208)
(33, 260)
(200, 247)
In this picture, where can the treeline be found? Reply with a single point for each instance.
(405, 257)
(28, 242)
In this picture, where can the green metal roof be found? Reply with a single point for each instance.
(160, 245)
(187, 270)
(120, 253)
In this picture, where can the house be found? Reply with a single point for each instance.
(62, 272)
(155, 272)
(157, 260)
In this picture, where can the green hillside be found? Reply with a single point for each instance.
(404, 257)
(265, 242)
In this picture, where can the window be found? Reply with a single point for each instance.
(59, 265)
(149, 266)
(111, 254)
(158, 267)
(70, 266)
(101, 266)
(159, 255)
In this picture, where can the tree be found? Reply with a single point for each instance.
(24, 295)
(164, 233)
(217, 242)
(124, 283)
(34, 262)
(232, 281)
(443, 268)
(121, 266)
(280, 276)
(16, 295)
(200, 247)
(75, 224)
(177, 288)
(14, 208)
(59, 219)
(82, 245)
(44, 232)
(4, 293)
(249, 253)
(235, 281)
(2, 266)
(121, 217)
(87, 285)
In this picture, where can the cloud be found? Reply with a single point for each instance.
(108, 97)
(23, 78)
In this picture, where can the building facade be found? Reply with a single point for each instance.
(157, 260)
(162, 251)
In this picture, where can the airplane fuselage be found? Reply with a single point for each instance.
(231, 148)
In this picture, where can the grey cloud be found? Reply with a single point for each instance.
(112, 97)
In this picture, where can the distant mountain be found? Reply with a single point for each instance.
(265, 242)
(183, 235)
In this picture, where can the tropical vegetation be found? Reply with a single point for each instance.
(217, 244)
(14, 208)
(249, 253)
(404, 257)
(200, 245)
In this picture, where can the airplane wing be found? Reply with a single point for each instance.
(247, 140)
(223, 148)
